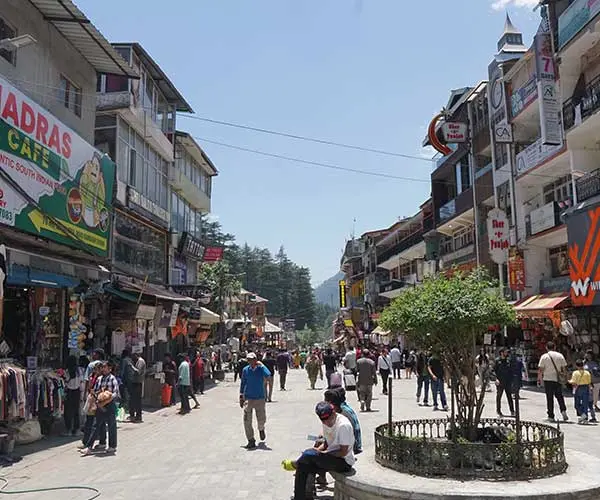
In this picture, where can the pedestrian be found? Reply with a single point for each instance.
(136, 377)
(591, 365)
(73, 383)
(330, 362)
(283, 362)
(252, 398)
(106, 394)
(367, 378)
(384, 364)
(483, 368)
(270, 362)
(338, 437)
(184, 385)
(581, 381)
(409, 364)
(552, 369)
(504, 374)
(314, 370)
(396, 357)
(337, 397)
(296, 360)
(436, 372)
(350, 360)
(423, 377)
(241, 364)
(124, 373)
(518, 370)
(198, 370)
(170, 371)
(303, 357)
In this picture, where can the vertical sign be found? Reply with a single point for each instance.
(342, 291)
(516, 270)
(498, 235)
(547, 90)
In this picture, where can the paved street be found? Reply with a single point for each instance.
(200, 454)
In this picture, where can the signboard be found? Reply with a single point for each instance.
(174, 313)
(523, 97)
(454, 132)
(190, 246)
(213, 254)
(342, 293)
(498, 235)
(145, 312)
(71, 181)
(534, 155)
(496, 93)
(503, 132)
(516, 270)
(583, 229)
(543, 218)
(549, 96)
(588, 186)
(136, 199)
(574, 19)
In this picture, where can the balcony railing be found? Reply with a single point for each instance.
(405, 244)
(484, 170)
(588, 103)
(588, 186)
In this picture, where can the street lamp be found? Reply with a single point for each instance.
(16, 43)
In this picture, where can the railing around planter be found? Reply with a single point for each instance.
(424, 448)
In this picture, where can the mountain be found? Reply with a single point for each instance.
(327, 292)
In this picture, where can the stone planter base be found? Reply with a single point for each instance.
(374, 482)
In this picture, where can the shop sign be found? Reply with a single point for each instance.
(61, 187)
(574, 19)
(496, 93)
(44, 311)
(550, 100)
(516, 270)
(145, 312)
(498, 235)
(583, 231)
(503, 133)
(342, 293)
(543, 218)
(199, 292)
(174, 313)
(523, 97)
(136, 199)
(555, 285)
(213, 254)
(188, 245)
(535, 154)
(455, 132)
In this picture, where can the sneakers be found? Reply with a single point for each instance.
(262, 434)
(362, 406)
(111, 451)
(288, 465)
(435, 408)
(565, 416)
(445, 408)
(582, 420)
(593, 421)
(251, 445)
(86, 452)
(99, 447)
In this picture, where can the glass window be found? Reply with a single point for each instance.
(116, 83)
(8, 31)
(132, 167)
(70, 95)
(123, 161)
(124, 52)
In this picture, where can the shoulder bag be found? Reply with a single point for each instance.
(560, 375)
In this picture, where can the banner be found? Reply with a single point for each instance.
(342, 291)
(71, 182)
(516, 270)
(498, 235)
(548, 93)
(583, 231)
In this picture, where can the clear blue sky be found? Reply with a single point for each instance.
(366, 72)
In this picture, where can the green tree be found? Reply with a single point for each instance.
(220, 281)
(304, 310)
(447, 315)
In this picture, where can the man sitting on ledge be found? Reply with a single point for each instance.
(333, 454)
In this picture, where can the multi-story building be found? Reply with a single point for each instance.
(56, 188)
(351, 265)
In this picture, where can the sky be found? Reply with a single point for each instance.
(366, 72)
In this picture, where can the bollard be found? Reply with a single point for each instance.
(390, 406)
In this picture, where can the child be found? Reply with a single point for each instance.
(581, 381)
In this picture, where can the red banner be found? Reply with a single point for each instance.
(516, 271)
(213, 254)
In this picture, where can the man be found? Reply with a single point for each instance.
(106, 390)
(198, 373)
(423, 378)
(337, 397)
(241, 364)
(396, 356)
(136, 375)
(367, 377)
(97, 356)
(269, 362)
(436, 372)
(124, 373)
(552, 372)
(330, 362)
(184, 383)
(252, 398)
(504, 372)
(333, 454)
(283, 363)
(350, 360)
(170, 371)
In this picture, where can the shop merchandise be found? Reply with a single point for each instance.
(46, 393)
(13, 392)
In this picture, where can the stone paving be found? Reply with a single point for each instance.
(200, 455)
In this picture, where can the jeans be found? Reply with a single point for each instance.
(554, 390)
(184, 395)
(385, 374)
(105, 418)
(423, 384)
(72, 399)
(135, 404)
(269, 387)
(282, 378)
(504, 387)
(88, 428)
(314, 463)
(396, 367)
(437, 387)
(582, 400)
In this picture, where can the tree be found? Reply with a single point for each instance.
(304, 306)
(446, 315)
(221, 283)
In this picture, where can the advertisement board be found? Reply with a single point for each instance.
(516, 270)
(574, 19)
(54, 184)
(498, 235)
(549, 96)
(583, 231)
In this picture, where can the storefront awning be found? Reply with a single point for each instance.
(122, 295)
(380, 331)
(541, 303)
(271, 328)
(27, 276)
(207, 317)
(152, 290)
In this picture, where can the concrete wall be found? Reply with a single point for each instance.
(39, 66)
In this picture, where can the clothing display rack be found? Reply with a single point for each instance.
(13, 391)
(46, 393)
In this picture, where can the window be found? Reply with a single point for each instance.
(505, 199)
(116, 83)
(560, 190)
(7, 31)
(70, 95)
(463, 238)
(559, 261)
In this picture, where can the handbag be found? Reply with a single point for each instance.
(560, 375)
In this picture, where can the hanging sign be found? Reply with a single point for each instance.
(454, 132)
(550, 103)
(516, 270)
(342, 292)
(498, 235)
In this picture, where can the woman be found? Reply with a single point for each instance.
(73, 382)
(483, 368)
(313, 368)
(296, 360)
(409, 364)
(384, 364)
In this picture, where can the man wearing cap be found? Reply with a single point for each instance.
(333, 454)
(253, 397)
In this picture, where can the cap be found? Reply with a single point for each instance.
(324, 410)
(251, 355)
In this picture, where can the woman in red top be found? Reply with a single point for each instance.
(198, 373)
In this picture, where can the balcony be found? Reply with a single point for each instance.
(405, 244)
(535, 155)
(588, 186)
(542, 219)
(395, 287)
(458, 256)
(113, 100)
(587, 105)
(188, 190)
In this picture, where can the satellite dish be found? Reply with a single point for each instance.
(229, 324)
(566, 328)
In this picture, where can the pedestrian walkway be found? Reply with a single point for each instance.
(201, 455)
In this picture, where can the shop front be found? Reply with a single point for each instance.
(186, 259)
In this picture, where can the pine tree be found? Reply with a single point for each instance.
(305, 300)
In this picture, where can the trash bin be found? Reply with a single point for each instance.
(165, 399)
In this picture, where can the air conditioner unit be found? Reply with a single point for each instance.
(174, 239)
(177, 277)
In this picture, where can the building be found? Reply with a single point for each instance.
(351, 265)
(56, 204)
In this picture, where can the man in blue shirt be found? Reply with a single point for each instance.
(252, 397)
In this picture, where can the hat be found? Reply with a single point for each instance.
(251, 355)
(324, 410)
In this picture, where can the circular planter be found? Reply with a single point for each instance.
(422, 448)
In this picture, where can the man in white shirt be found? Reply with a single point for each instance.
(396, 357)
(350, 360)
(551, 368)
(334, 454)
